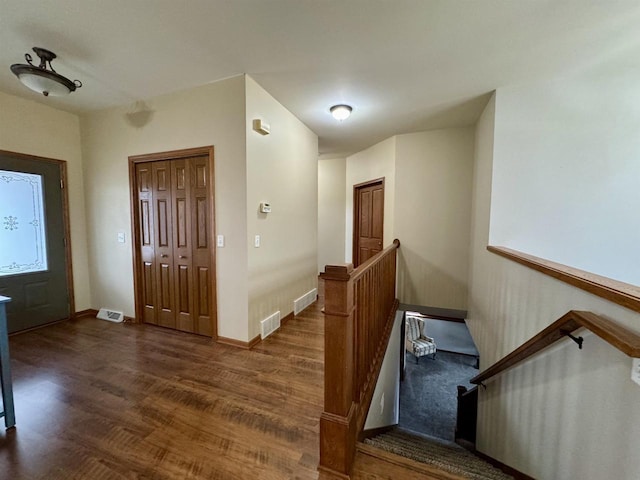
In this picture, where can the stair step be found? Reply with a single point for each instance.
(442, 455)
(425, 469)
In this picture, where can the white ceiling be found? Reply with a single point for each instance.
(404, 65)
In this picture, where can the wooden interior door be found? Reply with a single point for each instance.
(174, 243)
(368, 222)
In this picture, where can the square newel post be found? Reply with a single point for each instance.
(338, 421)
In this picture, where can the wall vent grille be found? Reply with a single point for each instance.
(111, 315)
(270, 325)
(304, 301)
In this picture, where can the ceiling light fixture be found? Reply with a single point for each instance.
(341, 112)
(42, 79)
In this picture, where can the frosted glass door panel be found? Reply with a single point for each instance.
(23, 246)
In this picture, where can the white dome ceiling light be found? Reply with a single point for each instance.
(42, 79)
(341, 112)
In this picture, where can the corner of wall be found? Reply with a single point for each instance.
(281, 170)
(331, 208)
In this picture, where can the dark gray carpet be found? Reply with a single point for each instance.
(428, 395)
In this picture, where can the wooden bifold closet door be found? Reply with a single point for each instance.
(175, 237)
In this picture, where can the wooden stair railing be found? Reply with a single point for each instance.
(360, 307)
(620, 337)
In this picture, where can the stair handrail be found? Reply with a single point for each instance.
(360, 306)
(625, 340)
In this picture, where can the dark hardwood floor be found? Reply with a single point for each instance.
(97, 400)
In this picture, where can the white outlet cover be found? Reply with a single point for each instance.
(635, 370)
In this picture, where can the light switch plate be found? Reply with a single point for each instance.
(635, 370)
(121, 237)
(220, 241)
(256, 241)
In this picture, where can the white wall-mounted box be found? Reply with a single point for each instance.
(265, 207)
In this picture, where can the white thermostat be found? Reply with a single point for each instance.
(265, 207)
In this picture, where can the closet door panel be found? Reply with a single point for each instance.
(201, 192)
(165, 304)
(144, 187)
(181, 188)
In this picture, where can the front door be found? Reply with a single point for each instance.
(33, 255)
(368, 207)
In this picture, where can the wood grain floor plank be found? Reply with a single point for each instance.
(97, 400)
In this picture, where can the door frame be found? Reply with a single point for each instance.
(135, 220)
(66, 220)
(356, 209)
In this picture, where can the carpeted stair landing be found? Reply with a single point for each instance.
(446, 456)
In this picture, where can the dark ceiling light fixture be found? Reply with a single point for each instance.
(341, 112)
(42, 79)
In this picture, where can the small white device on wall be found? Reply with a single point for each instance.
(261, 127)
(265, 207)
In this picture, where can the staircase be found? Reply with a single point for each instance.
(436, 455)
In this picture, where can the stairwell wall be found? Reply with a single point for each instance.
(565, 413)
(384, 410)
(427, 206)
(566, 173)
(432, 216)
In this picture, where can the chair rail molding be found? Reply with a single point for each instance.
(615, 291)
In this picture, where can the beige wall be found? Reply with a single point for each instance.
(375, 162)
(331, 211)
(213, 114)
(427, 206)
(568, 167)
(282, 169)
(385, 401)
(36, 129)
(432, 216)
(565, 413)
